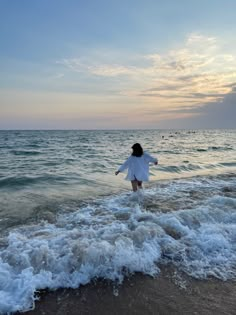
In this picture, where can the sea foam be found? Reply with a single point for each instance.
(116, 236)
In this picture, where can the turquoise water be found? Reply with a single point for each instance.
(65, 218)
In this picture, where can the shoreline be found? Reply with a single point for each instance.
(171, 292)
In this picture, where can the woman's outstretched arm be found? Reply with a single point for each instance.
(123, 166)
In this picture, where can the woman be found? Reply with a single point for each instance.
(138, 166)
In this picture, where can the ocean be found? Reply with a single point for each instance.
(66, 219)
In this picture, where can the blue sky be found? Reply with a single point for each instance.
(117, 64)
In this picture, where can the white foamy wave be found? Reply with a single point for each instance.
(49, 256)
(117, 236)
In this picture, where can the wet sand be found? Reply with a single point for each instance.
(171, 292)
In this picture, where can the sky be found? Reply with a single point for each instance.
(127, 64)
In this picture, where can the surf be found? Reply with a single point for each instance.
(190, 224)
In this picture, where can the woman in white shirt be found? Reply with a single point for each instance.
(138, 166)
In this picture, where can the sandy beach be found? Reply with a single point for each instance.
(170, 293)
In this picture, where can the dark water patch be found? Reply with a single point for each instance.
(70, 161)
(172, 232)
(211, 166)
(51, 163)
(34, 145)
(180, 169)
(5, 147)
(174, 152)
(45, 213)
(215, 148)
(228, 189)
(220, 165)
(227, 176)
(25, 152)
(228, 164)
(22, 181)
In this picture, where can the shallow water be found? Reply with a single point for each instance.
(66, 219)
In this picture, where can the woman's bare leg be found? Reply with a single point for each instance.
(134, 184)
(140, 184)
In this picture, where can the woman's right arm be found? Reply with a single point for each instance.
(123, 166)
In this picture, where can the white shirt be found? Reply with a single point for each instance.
(138, 167)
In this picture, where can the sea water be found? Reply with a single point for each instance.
(66, 219)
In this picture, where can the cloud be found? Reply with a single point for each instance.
(199, 67)
(105, 70)
(219, 114)
(188, 83)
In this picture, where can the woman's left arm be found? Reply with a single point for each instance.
(151, 159)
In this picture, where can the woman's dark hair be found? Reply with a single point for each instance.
(137, 150)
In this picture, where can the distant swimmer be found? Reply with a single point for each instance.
(138, 166)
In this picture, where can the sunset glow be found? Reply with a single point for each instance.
(84, 67)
